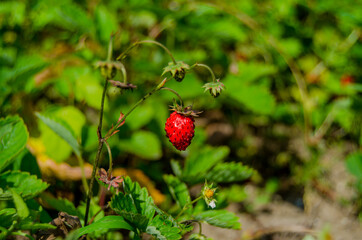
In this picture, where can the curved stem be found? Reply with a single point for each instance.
(123, 55)
(124, 73)
(110, 49)
(200, 227)
(110, 158)
(174, 92)
(186, 206)
(207, 67)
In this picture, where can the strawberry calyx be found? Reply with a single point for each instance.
(185, 111)
(177, 71)
(215, 88)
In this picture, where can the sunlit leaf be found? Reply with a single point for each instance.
(219, 218)
(60, 204)
(135, 206)
(143, 144)
(106, 223)
(13, 137)
(163, 229)
(229, 172)
(36, 226)
(7, 216)
(61, 130)
(178, 190)
(354, 165)
(24, 184)
(20, 205)
(198, 163)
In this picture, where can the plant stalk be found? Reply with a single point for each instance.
(174, 92)
(100, 146)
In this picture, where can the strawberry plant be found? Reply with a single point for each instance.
(195, 106)
(133, 208)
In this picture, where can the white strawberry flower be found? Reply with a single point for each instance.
(212, 204)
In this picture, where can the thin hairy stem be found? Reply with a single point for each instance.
(124, 54)
(207, 67)
(187, 206)
(110, 48)
(174, 92)
(110, 158)
(96, 162)
(124, 73)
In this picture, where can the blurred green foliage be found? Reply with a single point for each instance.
(291, 71)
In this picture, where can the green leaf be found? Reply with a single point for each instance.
(106, 223)
(21, 207)
(93, 209)
(178, 190)
(354, 164)
(249, 72)
(36, 226)
(7, 216)
(219, 218)
(255, 97)
(229, 172)
(64, 14)
(62, 131)
(88, 89)
(13, 137)
(199, 163)
(193, 89)
(163, 229)
(135, 205)
(143, 144)
(140, 116)
(106, 22)
(176, 168)
(25, 67)
(62, 205)
(24, 184)
(25, 161)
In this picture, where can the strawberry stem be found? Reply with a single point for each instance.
(207, 67)
(174, 92)
(186, 206)
(110, 158)
(124, 54)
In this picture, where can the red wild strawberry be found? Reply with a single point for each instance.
(180, 130)
(180, 126)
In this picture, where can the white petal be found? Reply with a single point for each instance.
(212, 204)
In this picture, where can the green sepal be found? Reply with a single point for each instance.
(215, 88)
(177, 70)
